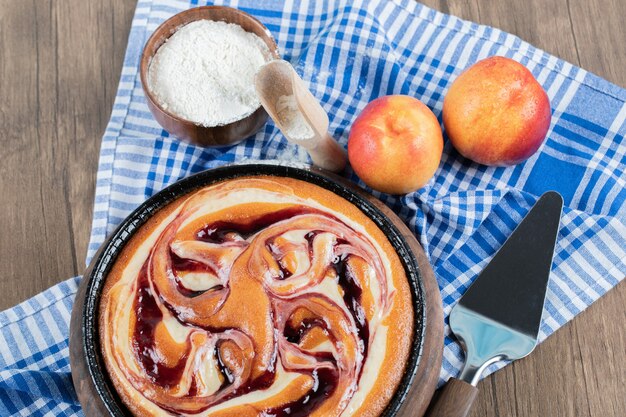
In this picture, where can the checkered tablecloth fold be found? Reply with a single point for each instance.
(350, 52)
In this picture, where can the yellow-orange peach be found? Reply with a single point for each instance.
(395, 144)
(496, 113)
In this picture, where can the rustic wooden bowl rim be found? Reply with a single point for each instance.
(195, 14)
(107, 255)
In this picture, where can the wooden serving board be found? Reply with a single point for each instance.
(428, 368)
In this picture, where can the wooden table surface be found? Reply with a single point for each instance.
(60, 62)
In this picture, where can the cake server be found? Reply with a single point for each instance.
(499, 316)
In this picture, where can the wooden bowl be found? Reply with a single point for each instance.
(94, 388)
(221, 135)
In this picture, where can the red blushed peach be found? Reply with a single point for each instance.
(496, 113)
(395, 144)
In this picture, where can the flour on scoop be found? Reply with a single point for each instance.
(291, 118)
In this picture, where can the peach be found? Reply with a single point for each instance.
(496, 113)
(395, 144)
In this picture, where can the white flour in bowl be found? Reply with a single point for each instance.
(205, 71)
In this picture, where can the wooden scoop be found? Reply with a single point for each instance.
(277, 79)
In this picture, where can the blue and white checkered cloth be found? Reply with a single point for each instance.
(350, 52)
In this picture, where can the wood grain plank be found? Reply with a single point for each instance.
(87, 108)
(35, 251)
(601, 339)
(59, 71)
(599, 30)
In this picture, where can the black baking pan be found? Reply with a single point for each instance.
(96, 392)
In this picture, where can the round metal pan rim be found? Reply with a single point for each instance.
(107, 254)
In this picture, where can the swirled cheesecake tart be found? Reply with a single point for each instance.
(258, 296)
